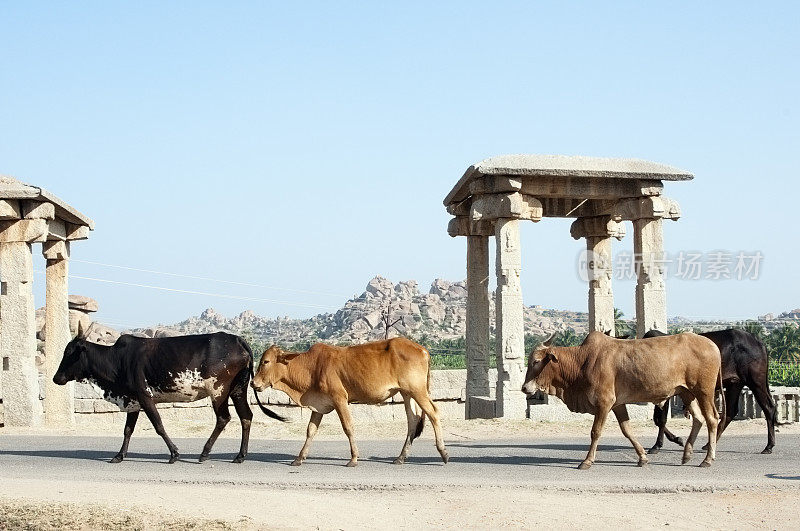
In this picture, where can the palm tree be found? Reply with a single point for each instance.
(784, 343)
(621, 327)
(566, 338)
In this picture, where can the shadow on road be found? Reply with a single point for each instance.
(778, 476)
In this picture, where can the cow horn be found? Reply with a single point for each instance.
(81, 332)
(549, 340)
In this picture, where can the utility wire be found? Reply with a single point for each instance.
(208, 279)
(204, 293)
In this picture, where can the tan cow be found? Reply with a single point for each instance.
(603, 374)
(328, 378)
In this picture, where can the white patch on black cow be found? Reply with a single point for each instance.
(187, 386)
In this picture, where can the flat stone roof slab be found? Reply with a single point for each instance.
(564, 166)
(11, 188)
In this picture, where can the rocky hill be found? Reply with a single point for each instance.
(438, 314)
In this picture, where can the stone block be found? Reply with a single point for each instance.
(505, 206)
(38, 210)
(84, 304)
(482, 407)
(85, 405)
(24, 230)
(87, 390)
(102, 406)
(10, 209)
(55, 250)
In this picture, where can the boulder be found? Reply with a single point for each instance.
(84, 304)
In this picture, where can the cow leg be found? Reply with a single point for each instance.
(621, 412)
(239, 398)
(150, 410)
(220, 405)
(313, 426)
(690, 404)
(130, 424)
(660, 420)
(597, 429)
(731, 408)
(708, 407)
(430, 409)
(343, 410)
(764, 399)
(412, 419)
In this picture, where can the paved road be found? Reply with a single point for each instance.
(547, 463)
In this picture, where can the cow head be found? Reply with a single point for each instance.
(538, 360)
(272, 367)
(73, 364)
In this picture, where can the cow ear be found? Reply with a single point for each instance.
(549, 340)
(552, 357)
(286, 358)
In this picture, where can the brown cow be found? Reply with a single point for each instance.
(328, 378)
(603, 374)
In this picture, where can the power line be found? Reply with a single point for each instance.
(209, 279)
(193, 292)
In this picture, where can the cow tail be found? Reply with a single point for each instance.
(769, 392)
(421, 412)
(268, 412)
(722, 393)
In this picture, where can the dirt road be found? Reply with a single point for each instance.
(502, 474)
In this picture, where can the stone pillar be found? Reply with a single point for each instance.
(651, 301)
(510, 325)
(477, 324)
(598, 231)
(20, 379)
(59, 399)
(601, 295)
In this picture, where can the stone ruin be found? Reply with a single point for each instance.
(495, 196)
(28, 215)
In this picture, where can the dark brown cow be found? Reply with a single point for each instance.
(603, 374)
(328, 378)
(744, 362)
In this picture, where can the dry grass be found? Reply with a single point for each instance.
(52, 516)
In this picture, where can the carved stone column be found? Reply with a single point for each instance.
(20, 379)
(651, 297)
(598, 232)
(648, 247)
(59, 399)
(477, 322)
(510, 325)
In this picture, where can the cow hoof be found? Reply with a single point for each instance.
(679, 441)
(642, 462)
(398, 461)
(585, 465)
(352, 463)
(766, 451)
(238, 459)
(173, 458)
(654, 450)
(116, 459)
(297, 462)
(704, 464)
(445, 457)
(686, 459)
(202, 458)
(705, 446)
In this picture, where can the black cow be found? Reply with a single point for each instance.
(137, 373)
(744, 362)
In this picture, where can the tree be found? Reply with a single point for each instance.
(622, 327)
(567, 338)
(783, 343)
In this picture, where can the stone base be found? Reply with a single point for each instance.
(482, 407)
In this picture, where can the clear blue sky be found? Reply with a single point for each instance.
(309, 145)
